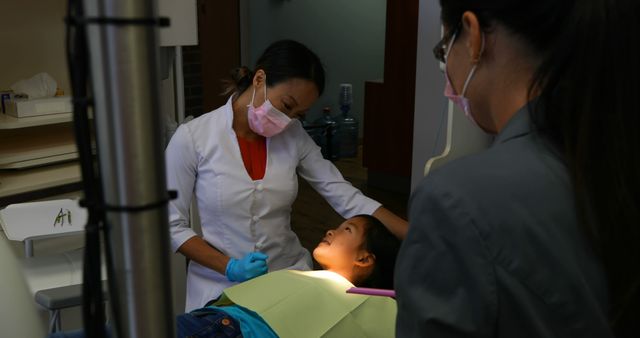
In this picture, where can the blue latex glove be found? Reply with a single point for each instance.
(250, 266)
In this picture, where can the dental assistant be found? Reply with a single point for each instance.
(241, 163)
(538, 235)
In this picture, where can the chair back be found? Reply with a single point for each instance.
(463, 138)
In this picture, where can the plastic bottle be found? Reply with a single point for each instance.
(327, 135)
(348, 124)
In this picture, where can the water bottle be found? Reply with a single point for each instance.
(327, 135)
(348, 124)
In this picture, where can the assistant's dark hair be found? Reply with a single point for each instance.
(588, 84)
(283, 60)
(380, 242)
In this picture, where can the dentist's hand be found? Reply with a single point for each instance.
(250, 266)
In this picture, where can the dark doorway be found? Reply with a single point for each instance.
(217, 53)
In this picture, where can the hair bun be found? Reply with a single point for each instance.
(239, 80)
(240, 73)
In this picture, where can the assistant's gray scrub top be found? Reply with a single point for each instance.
(494, 248)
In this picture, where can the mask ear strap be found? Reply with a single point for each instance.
(477, 59)
(453, 39)
(466, 83)
(473, 70)
(253, 96)
(265, 88)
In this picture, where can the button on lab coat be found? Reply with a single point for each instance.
(240, 215)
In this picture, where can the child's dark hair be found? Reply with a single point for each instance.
(283, 60)
(380, 242)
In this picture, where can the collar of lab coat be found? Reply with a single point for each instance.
(519, 125)
(228, 110)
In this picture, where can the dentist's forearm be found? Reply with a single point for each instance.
(197, 250)
(395, 224)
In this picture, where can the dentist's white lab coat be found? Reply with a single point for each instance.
(240, 215)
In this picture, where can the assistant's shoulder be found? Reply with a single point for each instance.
(521, 163)
(495, 187)
(464, 176)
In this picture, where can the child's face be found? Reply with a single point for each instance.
(341, 247)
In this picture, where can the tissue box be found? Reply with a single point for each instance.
(5, 97)
(36, 107)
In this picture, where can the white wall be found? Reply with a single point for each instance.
(440, 128)
(347, 35)
(431, 105)
(32, 41)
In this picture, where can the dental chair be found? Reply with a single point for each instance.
(463, 138)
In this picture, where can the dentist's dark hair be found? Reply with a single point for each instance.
(283, 60)
(588, 86)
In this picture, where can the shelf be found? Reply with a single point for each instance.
(14, 182)
(10, 122)
(22, 148)
(40, 161)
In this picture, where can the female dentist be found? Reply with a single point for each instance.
(538, 236)
(241, 162)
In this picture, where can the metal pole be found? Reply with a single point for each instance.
(28, 248)
(128, 129)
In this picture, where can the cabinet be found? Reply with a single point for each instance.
(35, 144)
(33, 34)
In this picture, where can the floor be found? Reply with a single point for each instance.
(312, 216)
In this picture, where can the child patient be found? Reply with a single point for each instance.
(361, 250)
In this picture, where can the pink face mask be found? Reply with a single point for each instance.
(459, 100)
(266, 120)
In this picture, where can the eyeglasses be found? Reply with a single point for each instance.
(440, 50)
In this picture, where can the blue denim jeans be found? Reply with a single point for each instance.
(200, 323)
(207, 323)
